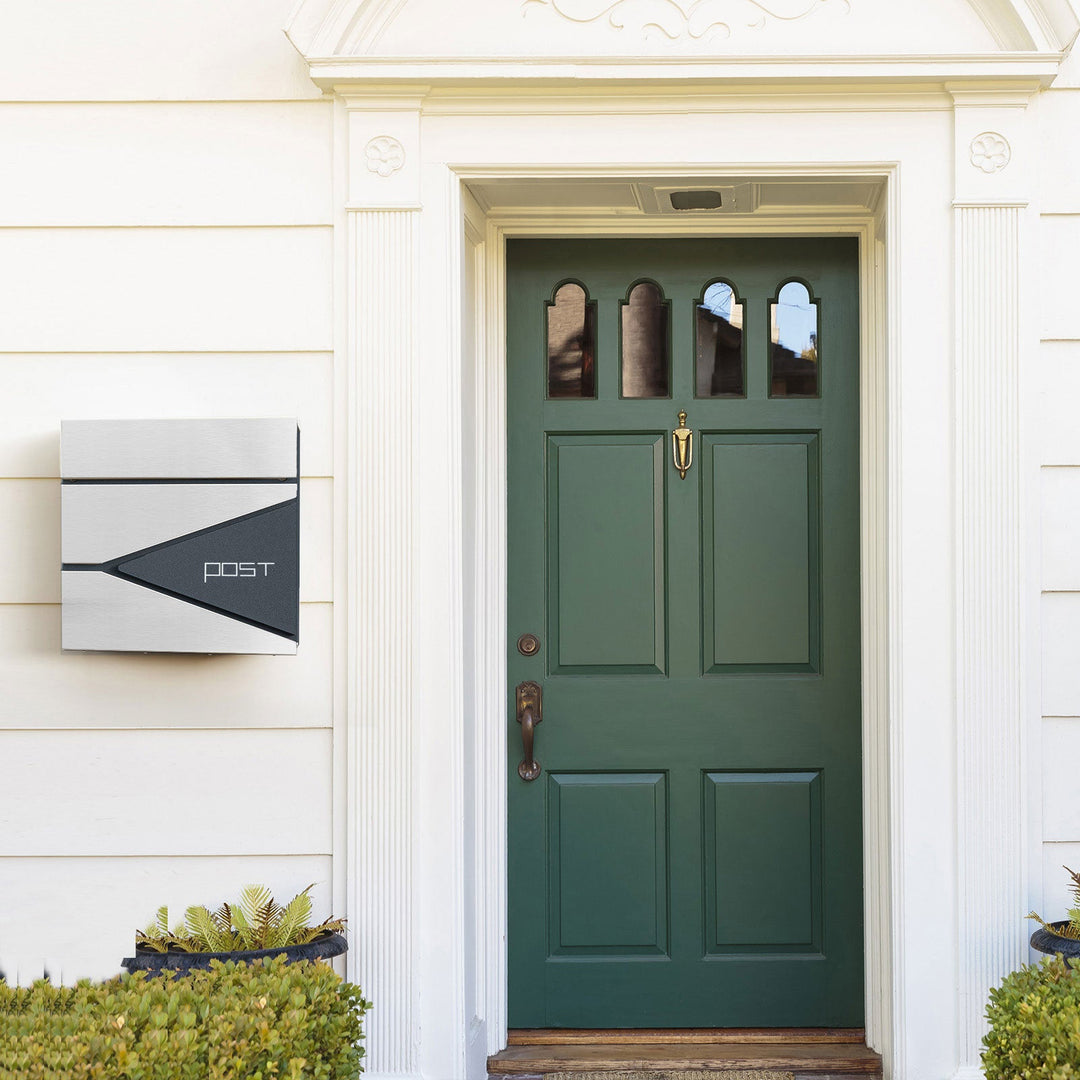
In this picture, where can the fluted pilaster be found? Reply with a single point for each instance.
(382, 341)
(988, 571)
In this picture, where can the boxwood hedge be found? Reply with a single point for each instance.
(254, 1021)
(1035, 1024)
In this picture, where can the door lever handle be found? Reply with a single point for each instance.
(530, 708)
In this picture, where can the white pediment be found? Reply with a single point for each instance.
(721, 29)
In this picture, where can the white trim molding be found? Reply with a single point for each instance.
(990, 752)
(879, 530)
(382, 295)
(427, 521)
(990, 748)
(353, 28)
(382, 245)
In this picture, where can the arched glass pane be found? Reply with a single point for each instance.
(571, 343)
(794, 363)
(645, 361)
(719, 335)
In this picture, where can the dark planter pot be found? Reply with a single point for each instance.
(1046, 942)
(147, 960)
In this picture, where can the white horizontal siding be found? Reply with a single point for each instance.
(44, 688)
(196, 289)
(54, 387)
(1061, 750)
(30, 534)
(1055, 881)
(244, 163)
(29, 541)
(220, 792)
(1058, 387)
(134, 50)
(1061, 528)
(1060, 280)
(1060, 670)
(78, 915)
(1058, 154)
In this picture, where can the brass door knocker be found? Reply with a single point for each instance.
(682, 446)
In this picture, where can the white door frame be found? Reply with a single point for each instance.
(879, 519)
(424, 641)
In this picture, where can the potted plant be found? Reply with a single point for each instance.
(1062, 936)
(254, 927)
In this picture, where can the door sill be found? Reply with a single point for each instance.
(771, 1054)
(683, 1036)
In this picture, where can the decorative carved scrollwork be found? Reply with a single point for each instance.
(675, 19)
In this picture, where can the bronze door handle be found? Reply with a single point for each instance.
(530, 700)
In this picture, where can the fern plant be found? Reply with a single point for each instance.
(256, 921)
(1071, 929)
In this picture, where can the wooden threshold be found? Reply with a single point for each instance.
(800, 1054)
(681, 1036)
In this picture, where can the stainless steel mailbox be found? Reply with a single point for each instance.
(181, 535)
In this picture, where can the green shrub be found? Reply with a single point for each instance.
(1035, 1024)
(254, 1021)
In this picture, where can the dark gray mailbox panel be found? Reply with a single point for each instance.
(181, 535)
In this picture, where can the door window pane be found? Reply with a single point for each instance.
(645, 342)
(718, 318)
(794, 359)
(571, 343)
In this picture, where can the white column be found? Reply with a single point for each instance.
(989, 130)
(382, 298)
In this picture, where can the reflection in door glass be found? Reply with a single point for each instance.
(719, 335)
(571, 343)
(793, 323)
(645, 342)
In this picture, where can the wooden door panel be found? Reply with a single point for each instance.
(608, 867)
(762, 862)
(760, 562)
(606, 607)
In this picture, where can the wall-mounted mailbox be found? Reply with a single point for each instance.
(181, 535)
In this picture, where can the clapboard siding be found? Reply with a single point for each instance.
(166, 289)
(132, 50)
(1060, 528)
(1055, 890)
(55, 387)
(1060, 278)
(30, 534)
(166, 250)
(1061, 751)
(1057, 379)
(215, 163)
(44, 688)
(124, 793)
(95, 904)
(1059, 158)
(1060, 670)
(1058, 391)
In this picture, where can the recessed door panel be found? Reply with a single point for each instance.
(761, 565)
(607, 846)
(762, 862)
(606, 552)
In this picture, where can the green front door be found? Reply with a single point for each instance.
(690, 853)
